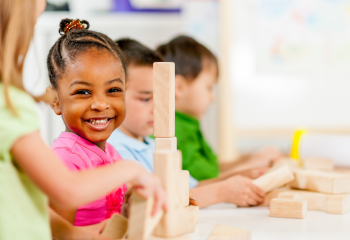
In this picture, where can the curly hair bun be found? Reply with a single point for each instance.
(66, 25)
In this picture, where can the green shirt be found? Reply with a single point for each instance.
(198, 158)
(23, 207)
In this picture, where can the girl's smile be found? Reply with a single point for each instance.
(91, 95)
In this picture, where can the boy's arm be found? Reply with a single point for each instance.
(236, 190)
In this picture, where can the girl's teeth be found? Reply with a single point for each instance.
(98, 122)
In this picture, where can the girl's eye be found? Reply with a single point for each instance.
(112, 90)
(83, 92)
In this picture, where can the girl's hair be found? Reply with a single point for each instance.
(138, 54)
(17, 20)
(75, 41)
(188, 55)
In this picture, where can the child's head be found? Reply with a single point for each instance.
(196, 70)
(17, 20)
(87, 71)
(139, 95)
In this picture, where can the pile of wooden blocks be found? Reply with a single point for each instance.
(316, 186)
(180, 218)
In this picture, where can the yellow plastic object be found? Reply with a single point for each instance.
(295, 146)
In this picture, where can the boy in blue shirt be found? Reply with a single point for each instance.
(132, 142)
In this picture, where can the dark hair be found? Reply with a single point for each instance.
(138, 54)
(188, 56)
(74, 42)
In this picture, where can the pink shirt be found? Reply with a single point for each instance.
(78, 154)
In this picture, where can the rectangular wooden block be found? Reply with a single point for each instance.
(164, 99)
(322, 164)
(274, 179)
(184, 181)
(177, 222)
(166, 144)
(329, 203)
(116, 227)
(273, 194)
(167, 165)
(288, 208)
(319, 181)
(141, 223)
(223, 232)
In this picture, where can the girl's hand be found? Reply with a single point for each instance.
(147, 185)
(126, 204)
(241, 191)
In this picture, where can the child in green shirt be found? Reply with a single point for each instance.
(196, 70)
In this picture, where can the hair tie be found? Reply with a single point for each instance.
(75, 24)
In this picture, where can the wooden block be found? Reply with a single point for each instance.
(116, 227)
(322, 164)
(141, 223)
(332, 204)
(319, 181)
(288, 208)
(192, 213)
(166, 144)
(167, 165)
(184, 181)
(273, 194)
(274, 179)
(176, 222)
(164, 99)
(223, 232)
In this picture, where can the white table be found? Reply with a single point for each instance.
(316, 226)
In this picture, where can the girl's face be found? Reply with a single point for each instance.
(91, 95)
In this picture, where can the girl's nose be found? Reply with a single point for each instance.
(100, 105)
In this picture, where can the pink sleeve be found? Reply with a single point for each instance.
(73, 161)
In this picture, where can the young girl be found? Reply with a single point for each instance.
(87, 71)
(28, 168)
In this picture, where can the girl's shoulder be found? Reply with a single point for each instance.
(111, 152)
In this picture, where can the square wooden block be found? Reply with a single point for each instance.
(166, 144)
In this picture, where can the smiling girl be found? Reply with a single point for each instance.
(87, 72)
(29, 171)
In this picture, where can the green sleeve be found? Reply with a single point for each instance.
(13, 127)
(198, 158)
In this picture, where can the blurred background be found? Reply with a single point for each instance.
(288, 61)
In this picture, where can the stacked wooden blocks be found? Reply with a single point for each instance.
(180, 218)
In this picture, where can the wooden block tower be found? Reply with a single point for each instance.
(180, 219)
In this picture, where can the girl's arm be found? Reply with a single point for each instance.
(72, 189)
(63, 230)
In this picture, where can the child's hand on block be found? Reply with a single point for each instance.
(147, 185)
(241, 192)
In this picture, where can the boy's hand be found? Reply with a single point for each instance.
(241, 191)
(147, 185)
(264, 158)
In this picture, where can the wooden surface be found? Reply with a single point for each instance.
(164, 99)
(319, 181)
(224, 232)
(166, 144)
(288, 208)
(274, 179)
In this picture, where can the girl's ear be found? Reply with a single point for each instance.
(180, 86)
(55, 103)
